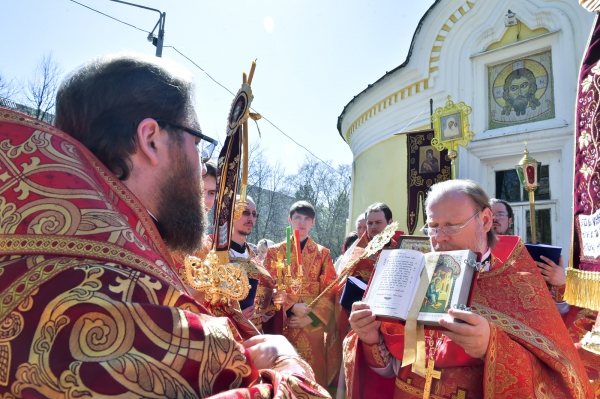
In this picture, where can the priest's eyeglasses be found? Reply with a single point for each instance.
(449, 230)
(500, 215)
(206, 146)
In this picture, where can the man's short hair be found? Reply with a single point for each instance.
(509, 209)
(102, 103)
(478, 196)
(362, 216)
(303, 208)
(211, 169)
(350, 239)
(380, 206)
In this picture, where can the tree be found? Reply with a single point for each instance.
(268, 188)
(329, 193)
(40, 89)
(8, 89)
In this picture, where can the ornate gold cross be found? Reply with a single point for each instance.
(279, 265)
(430, 373)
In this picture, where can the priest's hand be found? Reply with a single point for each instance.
(553, 274)
(299, 322)
(473, 335)
(301, 309)
(279, 297)
(248, 312)
(363, 323)
(265, 349)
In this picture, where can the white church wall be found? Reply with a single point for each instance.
(450, 58)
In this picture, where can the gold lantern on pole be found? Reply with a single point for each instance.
(527, 169)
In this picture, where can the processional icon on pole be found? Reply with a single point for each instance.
(451, 129)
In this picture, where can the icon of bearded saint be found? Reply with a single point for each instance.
(519, 92)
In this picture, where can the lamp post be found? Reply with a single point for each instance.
(527, 171)
(158, 42)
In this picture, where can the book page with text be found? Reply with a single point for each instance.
(395, 280)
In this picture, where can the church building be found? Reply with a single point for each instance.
(515, 63)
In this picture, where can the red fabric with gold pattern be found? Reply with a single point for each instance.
(363, 270)
(89, 303)
(530, 353)
(579, 322)
(318, 274)
(263, 306)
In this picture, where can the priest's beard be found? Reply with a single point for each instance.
(180, 208)
(477, 245)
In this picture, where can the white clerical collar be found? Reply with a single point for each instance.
(486, 257)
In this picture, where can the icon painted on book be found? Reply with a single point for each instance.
(439, 292)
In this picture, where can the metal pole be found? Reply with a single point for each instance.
(161, 34)
(532, 217)
(160, 24)
(431, 111)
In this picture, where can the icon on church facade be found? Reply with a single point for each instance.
(521, 91)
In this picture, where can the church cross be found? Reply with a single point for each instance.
(430, 373)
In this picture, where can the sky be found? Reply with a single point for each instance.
(312, 56)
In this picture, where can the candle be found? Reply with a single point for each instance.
(252, 68)
(298, 249)
(288, 246)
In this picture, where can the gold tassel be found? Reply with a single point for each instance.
(583, 289)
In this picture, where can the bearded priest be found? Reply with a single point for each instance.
(512, 344)
(91, 304)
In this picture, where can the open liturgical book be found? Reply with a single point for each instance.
(445, 278)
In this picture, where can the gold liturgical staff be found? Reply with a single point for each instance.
(527, 169)
(215, 276)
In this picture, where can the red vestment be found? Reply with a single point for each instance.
(363, 269)
(530, 353)
(90, 305)
(318, 274)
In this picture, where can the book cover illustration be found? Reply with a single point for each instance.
(440, 290)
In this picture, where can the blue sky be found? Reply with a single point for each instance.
(312, 56)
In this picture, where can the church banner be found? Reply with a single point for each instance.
(426, 166)
(583, 274)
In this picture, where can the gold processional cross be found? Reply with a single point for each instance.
(430, 373)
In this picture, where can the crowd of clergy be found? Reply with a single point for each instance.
(101, 214)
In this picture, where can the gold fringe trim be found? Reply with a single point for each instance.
(583, 289)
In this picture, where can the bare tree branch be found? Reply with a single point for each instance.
(8, 88)
(40, 90)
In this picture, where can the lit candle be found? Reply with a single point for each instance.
(288, 246)
(298, 249)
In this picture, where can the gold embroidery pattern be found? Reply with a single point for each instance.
(27, 284)
(490, 362)
(520, 330)
(10, 328)
(412, 390)
(504, 265)
(30, 244)
(105, 337)
(74, 159)
(375, 355)
(304, 348)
